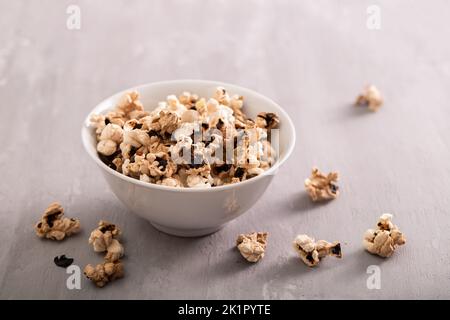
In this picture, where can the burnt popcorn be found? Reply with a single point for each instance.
(63, 261)
(267, 120)
(54, 225)
(186, 141)
(312, 252)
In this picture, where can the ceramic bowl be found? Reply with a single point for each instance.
(190, 212)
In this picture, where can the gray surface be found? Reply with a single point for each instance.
(312, 57)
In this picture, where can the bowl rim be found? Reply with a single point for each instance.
(272, 171)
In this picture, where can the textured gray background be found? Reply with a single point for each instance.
(312, 57)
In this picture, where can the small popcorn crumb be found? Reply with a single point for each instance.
(385, 238)
(105, 272)
(252, 246)
(312, 252)
(370, 97)
(322, 187)
(104, 238)
(53, 225)
(63, 261)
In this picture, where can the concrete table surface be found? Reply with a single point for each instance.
(312, 57)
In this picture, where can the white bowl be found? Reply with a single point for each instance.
(185, 211)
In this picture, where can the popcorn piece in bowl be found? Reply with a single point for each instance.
(104, 238)
(252, 246)
(110, 137)
(312, 252)
(53, 225)
(104, 272)
(186, 140)
(385, 238)
(267, 120)
(370, 97)
(322, 187)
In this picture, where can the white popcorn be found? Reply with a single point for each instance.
(190, 116)
(197, 181)
(175, 106)
(106, 147)
(136, 138)
(252, 246)
(112, 132)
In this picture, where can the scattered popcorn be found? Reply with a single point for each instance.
(252, 246)
(104, 239)
(105, 272)
(370, 97)
(312, 252)
(53, 225)
(385, 238)
(322, 187)
(186, 140)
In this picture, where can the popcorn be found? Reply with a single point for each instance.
(252, 246)
(171, 182)
(370, 97)
(110, 137)
(128, 103)
(112, 132)
(105, 272)
(267, 120)
(168, 121)
(159, 164)
(114, 251)
(385, 238)
(106, 147)
(184, 139)
(105, 238)
(312, 252)
(222, 96)
(98, 121)
(322, 187)
(53, 225)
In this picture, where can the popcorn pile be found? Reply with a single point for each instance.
(370, 97)
(105, 239)
(186, 141)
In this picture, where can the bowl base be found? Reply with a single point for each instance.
(188, 233)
